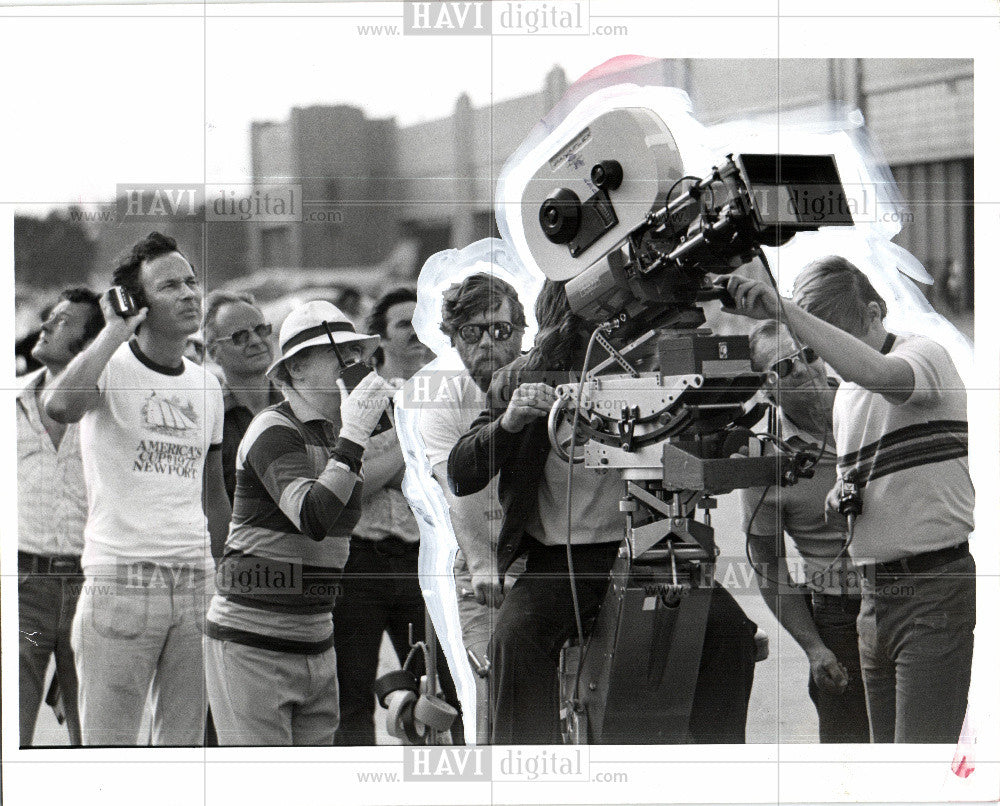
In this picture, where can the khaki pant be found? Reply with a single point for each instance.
(263, 697)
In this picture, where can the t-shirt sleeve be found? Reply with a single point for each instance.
(762, 513)
(104, 381)
(929, 362)
(217, 406)
(440, 432)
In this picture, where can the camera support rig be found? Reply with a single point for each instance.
(610, 212)
(674, 442)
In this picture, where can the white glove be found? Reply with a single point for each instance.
(361, 410)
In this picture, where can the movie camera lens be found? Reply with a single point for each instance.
(607, 175)
(559, 216)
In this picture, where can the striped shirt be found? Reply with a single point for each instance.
(911, 460)
(295, 505)
(51, 493)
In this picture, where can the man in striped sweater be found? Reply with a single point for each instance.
(270, 665)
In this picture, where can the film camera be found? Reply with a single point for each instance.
(612, 214)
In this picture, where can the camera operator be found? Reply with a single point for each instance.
(901, 428)
(150, 430)
(820, 614)
(270, 665)
(51, 514)
(537, 616)
(485, 321)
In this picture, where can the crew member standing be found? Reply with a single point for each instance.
(51, 514)
(270, 665)
(381, 587)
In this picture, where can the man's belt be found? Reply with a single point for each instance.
(28, 563)
(922, 563)
(849, 602)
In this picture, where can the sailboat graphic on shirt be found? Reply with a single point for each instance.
(169, 415)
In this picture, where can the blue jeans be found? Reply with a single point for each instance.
(843, 717)
(537, 617)
(477, 626)
(135, 634)
(46, 604)
(915, 637)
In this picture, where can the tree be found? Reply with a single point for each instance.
(53, 252)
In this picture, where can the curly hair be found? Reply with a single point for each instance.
(476, 294)
(558, 330)
(127, 272)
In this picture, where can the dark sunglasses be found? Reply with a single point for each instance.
(786, 366)
(499, 331)
(241, 338)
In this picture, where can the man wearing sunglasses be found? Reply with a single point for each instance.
(820, 613)
(484, 319)
(901, 427)
(238, 340)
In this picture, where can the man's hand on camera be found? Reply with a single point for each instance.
(754, 298)
(361, 410)
(116, 329)
(487, 589)
(827, 672)
(529, 401)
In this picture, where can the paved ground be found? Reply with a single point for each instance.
(779, 709)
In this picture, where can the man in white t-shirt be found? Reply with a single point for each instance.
(901, 428)
(150, 437)
(485, 321)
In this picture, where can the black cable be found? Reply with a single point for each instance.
(666, 200)
(569, 489)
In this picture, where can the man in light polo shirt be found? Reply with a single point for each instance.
(150, 432)
(901, 427)
(485, 321)
(820, 613)
(51, 513)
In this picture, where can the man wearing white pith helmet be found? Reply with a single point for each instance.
(270, 664)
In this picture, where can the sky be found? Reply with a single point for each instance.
(108, 99)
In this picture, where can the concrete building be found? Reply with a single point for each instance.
(369, 183)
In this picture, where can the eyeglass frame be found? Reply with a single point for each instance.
(487, 327)
(245, 339)
(807, 355)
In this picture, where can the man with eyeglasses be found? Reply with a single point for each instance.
(238, 340)
(150, 434)
(820, 613)
(270, 662)
(901, 427)
(484, 319)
